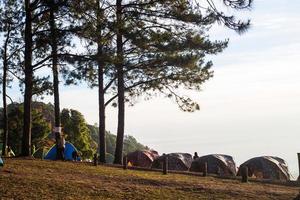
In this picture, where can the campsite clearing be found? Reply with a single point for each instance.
(37, 179)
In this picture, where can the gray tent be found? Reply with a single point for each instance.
(216, 164)
(267, 167)
(176, 161)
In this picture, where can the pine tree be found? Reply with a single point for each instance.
(10, 26)
(170, 50)
(37, 50)
(58, 40)
(54, 46)
(159, 46)
(121, 86)
(90, 16)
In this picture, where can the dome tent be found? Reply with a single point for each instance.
(142, 158)
(69, 149)
(176, 161)
(216, 164)
(267, 167)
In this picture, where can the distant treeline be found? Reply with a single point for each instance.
(85, 137)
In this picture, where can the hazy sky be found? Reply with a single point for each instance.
(250, 108)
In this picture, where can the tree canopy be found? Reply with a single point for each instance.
(126, 48)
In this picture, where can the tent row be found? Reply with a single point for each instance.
(264, 167)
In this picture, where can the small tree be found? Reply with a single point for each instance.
(77, 131)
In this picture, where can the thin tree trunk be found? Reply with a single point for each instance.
(58, 137)
(4, 79)
(121, 88)
(102, 142)
(26, 140)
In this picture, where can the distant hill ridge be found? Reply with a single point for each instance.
(43, 121)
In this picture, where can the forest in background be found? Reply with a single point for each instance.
(84, 136)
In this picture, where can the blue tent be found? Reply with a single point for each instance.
(69, 149)
(1, 162)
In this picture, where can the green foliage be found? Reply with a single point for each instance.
(161, 46)
(86, 137)
(165, 45)
(110, 143)
(40, 126)
(109, 158)
(130, 143)
(77, 132)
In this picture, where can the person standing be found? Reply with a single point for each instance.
(61, 147)
(195, 156)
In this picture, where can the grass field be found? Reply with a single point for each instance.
(36, 179)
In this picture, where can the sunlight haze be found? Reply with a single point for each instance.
(251, 106)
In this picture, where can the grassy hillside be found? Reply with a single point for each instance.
(35, 179)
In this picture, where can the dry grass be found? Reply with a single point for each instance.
(36, 179)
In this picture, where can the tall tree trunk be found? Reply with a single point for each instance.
(121, 89)
(57, 130)
(4, 79)
(102, 149)
(26, 140)
(101, 100)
